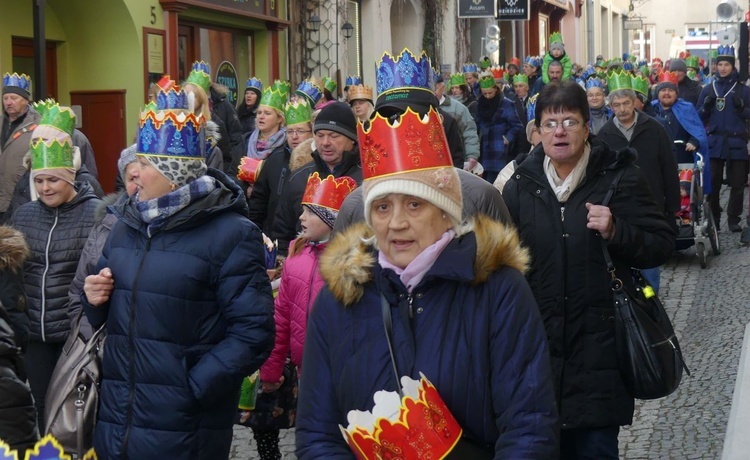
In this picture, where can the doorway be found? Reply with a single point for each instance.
(23, 62)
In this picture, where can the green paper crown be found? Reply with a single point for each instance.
(200, 79)
(276, 95)
(644, 69)
(640, 84)
(329, 84)
(487, 81)
(520, 78)
(457, 79)
(713, 54)
(692, 61)
(51, 154)
(53, 114)
(297, 112)
(555, 37)
(485, 63)
(619, 80)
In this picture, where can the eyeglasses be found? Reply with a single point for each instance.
(568, 124)
(297, 132)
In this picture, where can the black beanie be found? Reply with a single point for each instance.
(401, 98)
(337, 117)
(729, 59)
(16, 90)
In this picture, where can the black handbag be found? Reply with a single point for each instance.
(648, 354)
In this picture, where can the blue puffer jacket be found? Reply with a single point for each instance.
(191, 314)
(726, 128)
(476, 334)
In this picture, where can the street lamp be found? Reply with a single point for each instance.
(347, 29)
(314, 23)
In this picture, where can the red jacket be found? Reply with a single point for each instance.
(300, 284)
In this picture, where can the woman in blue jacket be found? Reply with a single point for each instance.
(183, 289)
(461, 312)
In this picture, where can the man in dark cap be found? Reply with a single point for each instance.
(335, 153)
(687, 89)
(724, 107)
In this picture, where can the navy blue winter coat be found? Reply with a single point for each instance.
(726, 128)
(475, 334)
(191, 314)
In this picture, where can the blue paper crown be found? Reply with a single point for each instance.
(468, 68)
(642, 63)
(596, 83)
(309, 90)
(404, 71)
(22, 81)
(725, 50)
(627, 65)
(254, 83)
(532, 61)
(352, 80)
(200, 66)
(171, 130)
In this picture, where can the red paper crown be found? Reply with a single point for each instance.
(497, 72)
(425, 429)
(249, 169)
(668, 77)
(686, 175)
(411, 143)
(329, 192)
(515, 61)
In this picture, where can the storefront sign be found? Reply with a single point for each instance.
(227, 75)
(155, 53)
(477, 8)
(513, 10)
(250, 6)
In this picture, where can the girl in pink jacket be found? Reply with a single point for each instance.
(300, 279)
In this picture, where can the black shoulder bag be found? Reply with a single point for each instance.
(465, 449)
(648, 353)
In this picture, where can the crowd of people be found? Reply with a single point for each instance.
(440, 228)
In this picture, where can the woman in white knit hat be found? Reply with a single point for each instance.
(453, 297)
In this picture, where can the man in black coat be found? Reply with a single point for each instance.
(221, 108)
(335, 153)
(632, 128)
(687, 89)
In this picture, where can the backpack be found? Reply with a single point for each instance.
(72, 399)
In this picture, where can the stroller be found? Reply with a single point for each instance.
(696, 224)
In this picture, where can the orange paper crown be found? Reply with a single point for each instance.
(497, 72)
(411, 143)
(668, 77)
(249, 169)
(424, 429)
(686, 175)
(329, 192)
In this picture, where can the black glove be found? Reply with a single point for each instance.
(739, 104)
(708, 102)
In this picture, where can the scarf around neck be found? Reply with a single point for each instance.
(413, 273)
(564, 188)
(157, 211)
(259, 149)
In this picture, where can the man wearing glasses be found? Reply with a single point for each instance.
(633, 128)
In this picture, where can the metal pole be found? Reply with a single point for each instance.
(40, 51)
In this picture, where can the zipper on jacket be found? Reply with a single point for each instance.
(411, 306)
(316, 252)
(44, 275)
(131, 355)
(562, 213)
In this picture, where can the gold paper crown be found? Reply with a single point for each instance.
(360, 92)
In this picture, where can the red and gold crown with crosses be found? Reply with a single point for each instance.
(329, 192)
(249, 169)
(411, 143)
(422, 427)
(668, 77)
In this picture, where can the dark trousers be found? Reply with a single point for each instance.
(737, 178)
(490, 176)
(41, 359)
(267, 442)
(589, 444)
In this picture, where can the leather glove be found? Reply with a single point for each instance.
(708, 102)
(739, 104)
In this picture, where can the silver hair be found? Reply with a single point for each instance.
(618, 93)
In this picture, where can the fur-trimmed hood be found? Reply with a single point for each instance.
(13, 249)
(301, 155)
(346, 265)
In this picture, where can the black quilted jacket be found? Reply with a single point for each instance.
(56, 237)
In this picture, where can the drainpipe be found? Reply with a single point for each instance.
(590, 30)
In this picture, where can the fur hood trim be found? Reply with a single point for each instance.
(301, 155)
(13, 249)
(346, 265)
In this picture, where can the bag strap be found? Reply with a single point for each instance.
(388, 324)
(605, 202)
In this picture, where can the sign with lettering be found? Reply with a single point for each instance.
(250, 6)
(227, 75)
(513, 10)
(632, 24)
(477, 8)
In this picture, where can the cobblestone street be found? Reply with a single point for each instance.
(709, 309)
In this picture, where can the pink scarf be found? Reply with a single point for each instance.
(412, 275)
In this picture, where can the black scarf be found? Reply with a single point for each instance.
(486, 108)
